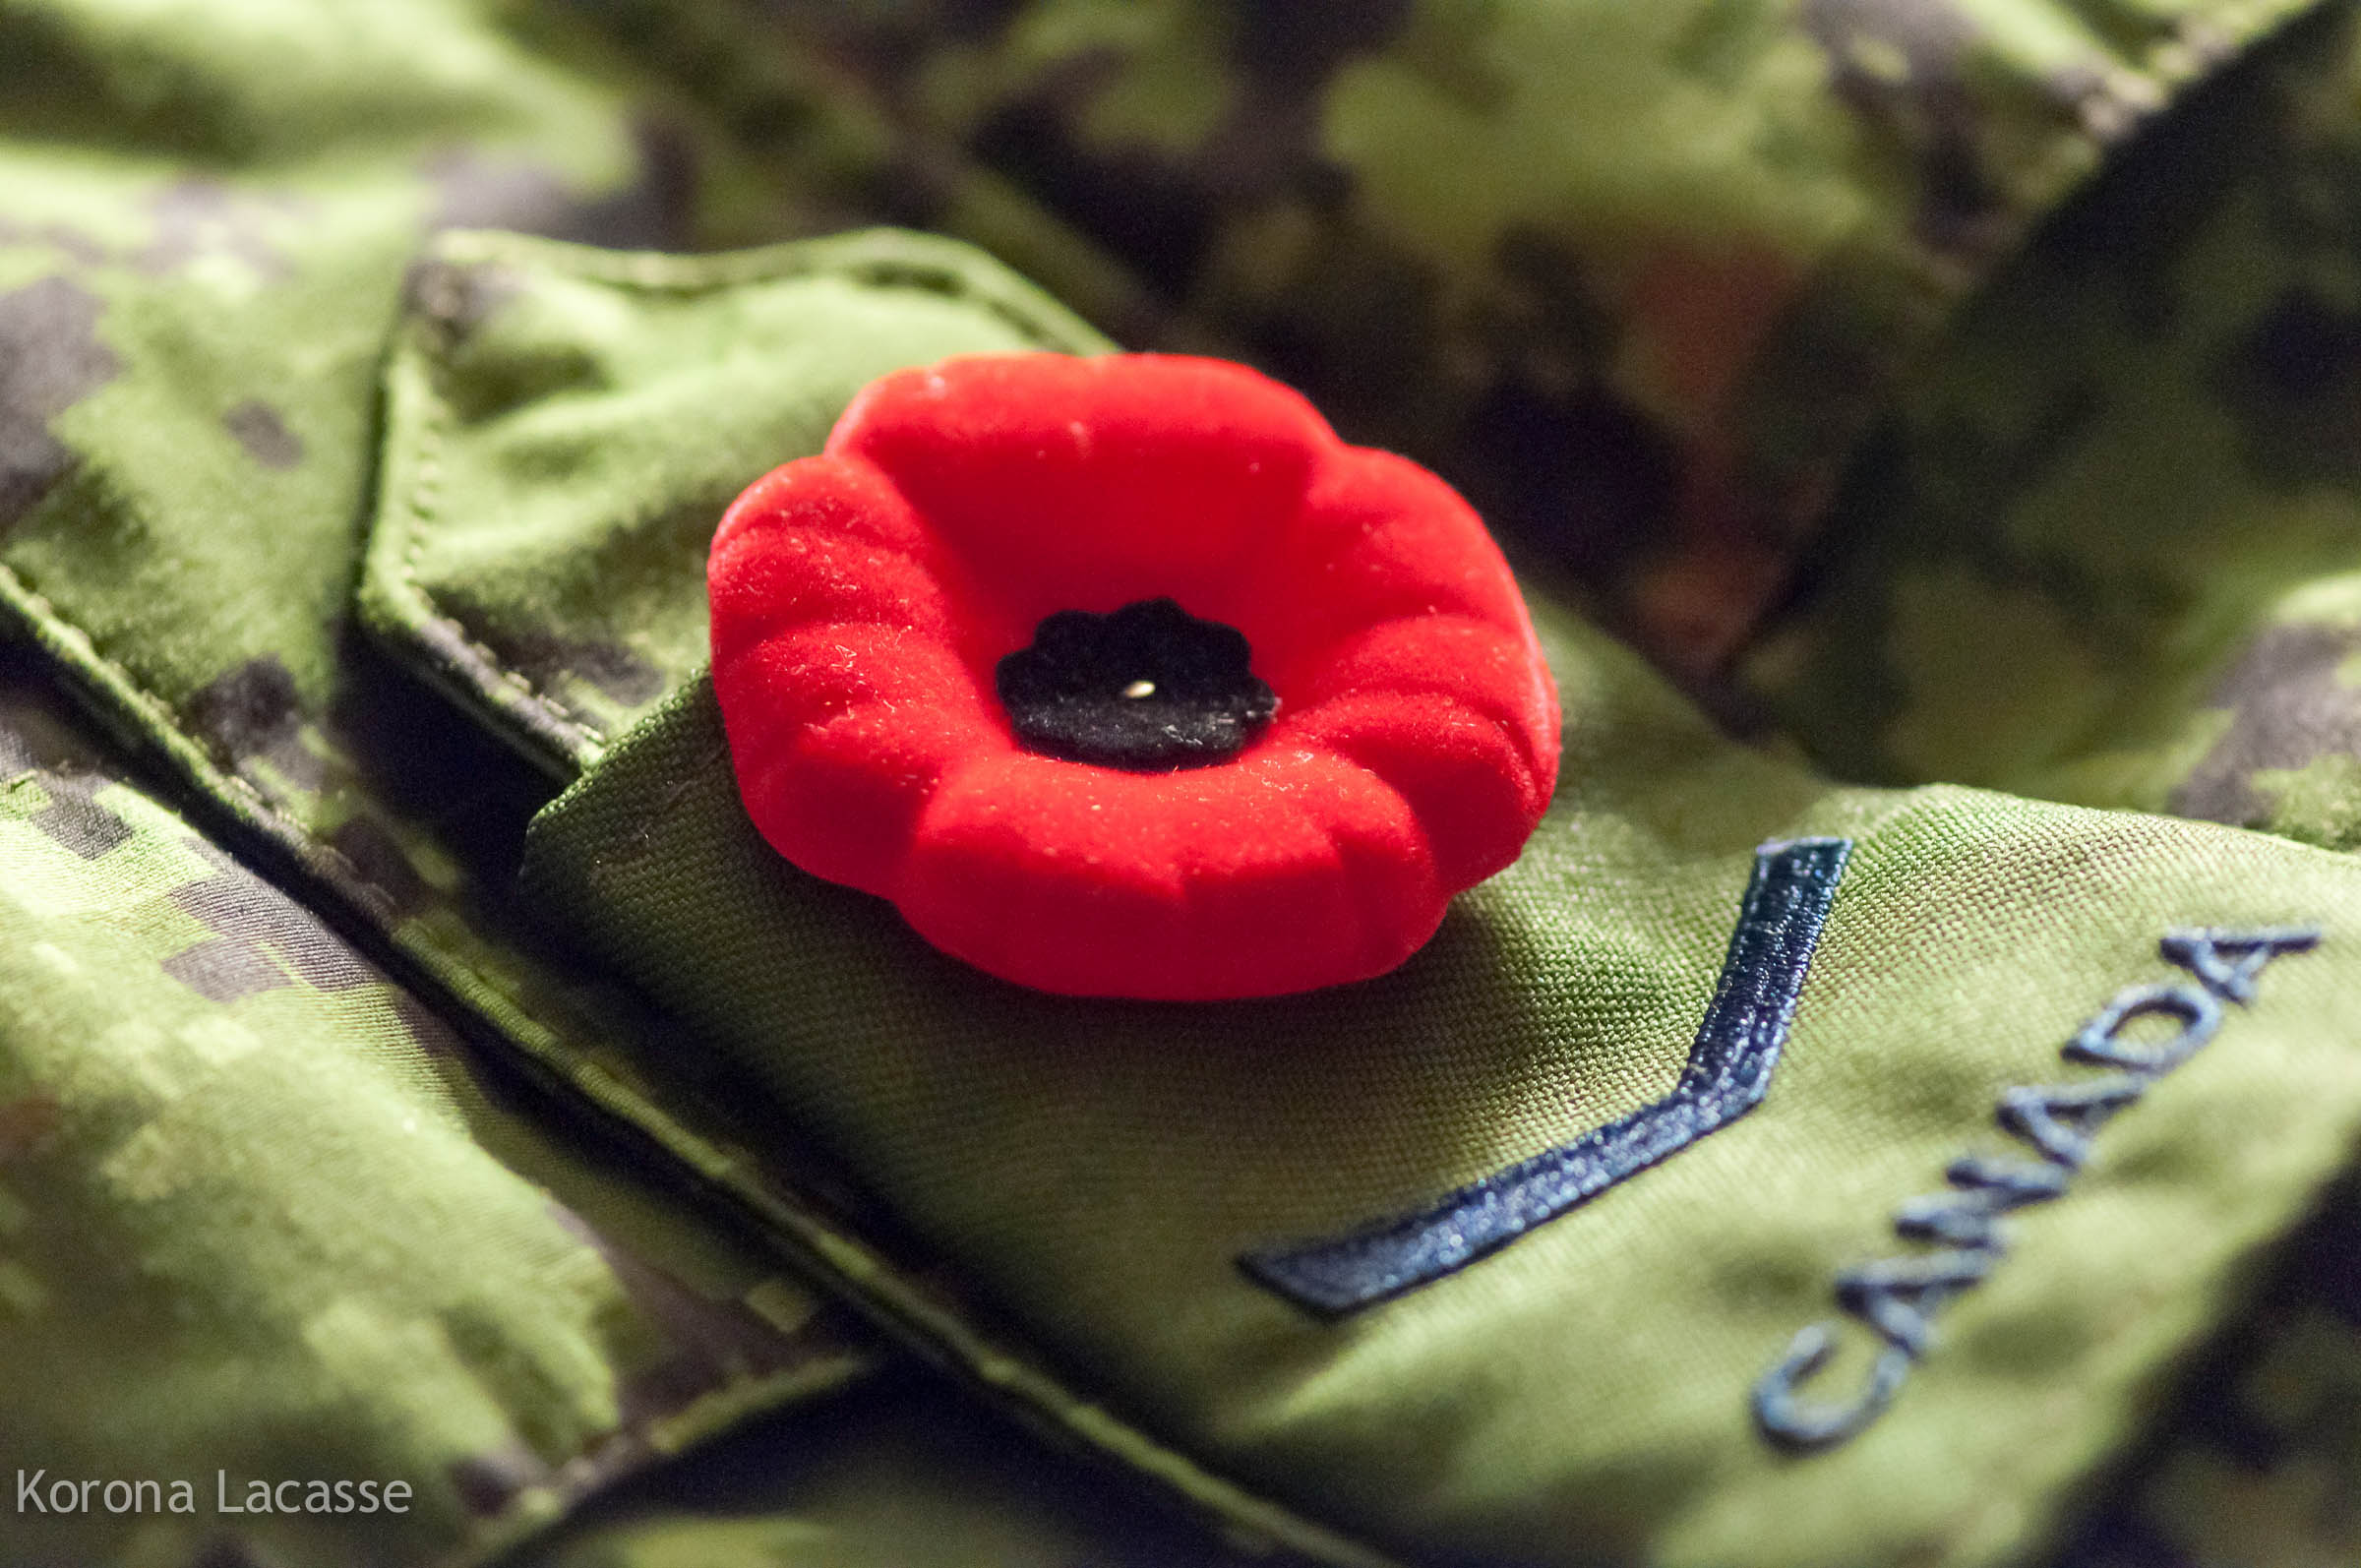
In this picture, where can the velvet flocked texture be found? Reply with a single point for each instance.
(863, 599)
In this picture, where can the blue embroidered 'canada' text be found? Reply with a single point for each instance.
(1898, 1299)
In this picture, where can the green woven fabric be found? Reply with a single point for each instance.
(331, 548)
(2107, 553)
(1634, 276)
(271, 1212)
(895, 1471)
(539, 543)
(260, 1221)
(1094, 1170)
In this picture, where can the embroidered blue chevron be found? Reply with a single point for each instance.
(1729, 1070)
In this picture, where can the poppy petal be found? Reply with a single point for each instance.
(1087, 484)
(1379, 539)
(1157, 889)
(1489, 671)
(1463, 776)
(863, 602)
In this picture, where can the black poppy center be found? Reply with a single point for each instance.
(1148, 687)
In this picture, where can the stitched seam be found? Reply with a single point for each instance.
(530, 1510)
(870, 1281)
(580, 1076)
(159, 712)
(644, 273)
(276, 816)
(659, 273)
(424, 492)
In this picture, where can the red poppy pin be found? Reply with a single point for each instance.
(1124, 676)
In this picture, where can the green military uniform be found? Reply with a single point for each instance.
(413, 1071)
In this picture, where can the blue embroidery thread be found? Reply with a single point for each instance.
(1898, 1299)
(1729, 1070)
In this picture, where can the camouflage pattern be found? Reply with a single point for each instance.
(235, 1158)
(240, 434)
(1633, 277)
(539, 544)
(1639, 277)
(2264, 1463)
(194, 301)
(2103, 553)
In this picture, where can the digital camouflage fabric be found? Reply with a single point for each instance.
(2103, 553)
(267, 1213)
(1643, 272)
(331, 551)
(259, 1223)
